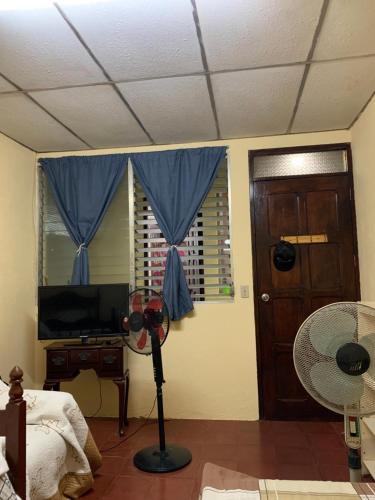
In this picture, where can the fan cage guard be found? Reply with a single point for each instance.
(134, 339)
(314, 366)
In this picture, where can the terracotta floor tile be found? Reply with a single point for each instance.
(325, 441)
(172, 488)
(316, 427)
(300, 472)
(296, 439)
(338, 426)
(264, 449)
(129, 488)
(112, 465)
(284, 427)
(234, 452)
(262, 470)
(259, 438)
(292, 455)
(334, 472)
(331, 457)
(101, 484)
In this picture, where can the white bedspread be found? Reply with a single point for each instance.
(60, 452)
(6, 489)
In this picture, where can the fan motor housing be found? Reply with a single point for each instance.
(353, 359)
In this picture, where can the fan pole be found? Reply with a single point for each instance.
(162, 457)
(159, 380)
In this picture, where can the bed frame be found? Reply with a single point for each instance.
(13, 427)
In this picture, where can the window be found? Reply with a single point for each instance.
(129, 246)
(108, 252)
(205, 252)
(302, 163)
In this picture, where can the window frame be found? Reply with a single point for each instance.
(228, 298)
(42, 180)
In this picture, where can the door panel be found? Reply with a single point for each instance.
(321, 212)
(287, 317)
(318, 302)
(285, 374)
(283, 214)
(324, 266)
(323, 273)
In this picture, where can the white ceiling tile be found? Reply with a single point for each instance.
(97, 114)
(248, 33)
(23, 120)
(139, 38)
(348, 30)
(5, 86)
(334, 93)
(256, 102)
(38, 49)
(173, 109)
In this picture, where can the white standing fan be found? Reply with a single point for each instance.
(334, 357)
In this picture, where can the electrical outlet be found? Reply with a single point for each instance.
(244, 291)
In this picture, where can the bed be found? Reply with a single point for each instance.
(219, 483)
(48, 452)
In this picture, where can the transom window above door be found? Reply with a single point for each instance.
(273, 164)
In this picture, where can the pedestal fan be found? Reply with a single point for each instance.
(146, 331)
(334, 357)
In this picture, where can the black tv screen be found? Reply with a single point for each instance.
(81, 311)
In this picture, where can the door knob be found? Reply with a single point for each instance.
(265, 297)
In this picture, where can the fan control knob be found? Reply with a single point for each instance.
(265, 297)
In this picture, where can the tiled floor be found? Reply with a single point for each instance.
(284, 450)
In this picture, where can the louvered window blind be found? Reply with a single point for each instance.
(109, 254)
(205, 252)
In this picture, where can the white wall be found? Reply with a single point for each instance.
(17, 259)
(363, 149)
(210, 356)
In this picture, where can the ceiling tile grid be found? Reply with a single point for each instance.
(27, 123)
(38, 50)
(251, 33)
(173, 109)
(139, 38)
(118, 73)
(348, 30)
(5, 86)
(95, 113)
(256, 102)
(335, 92)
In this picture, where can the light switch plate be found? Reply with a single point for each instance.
(244, 291)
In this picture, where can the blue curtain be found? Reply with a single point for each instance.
(83, 188)
(176, 184)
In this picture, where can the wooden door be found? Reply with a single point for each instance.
(323, 273)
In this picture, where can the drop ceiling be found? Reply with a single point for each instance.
(115, 73)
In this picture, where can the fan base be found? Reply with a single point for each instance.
(153, 460)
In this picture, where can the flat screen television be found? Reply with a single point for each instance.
(81, 311)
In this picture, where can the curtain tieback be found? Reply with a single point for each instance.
(79, 249)
(172, 246)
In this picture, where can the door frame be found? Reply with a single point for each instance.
(252, 154)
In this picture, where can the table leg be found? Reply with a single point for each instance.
(127, 384)
(51, 385)
(121, 382)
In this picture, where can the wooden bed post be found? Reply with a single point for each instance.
(15, 433)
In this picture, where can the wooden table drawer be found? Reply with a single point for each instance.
(83, 356)
(57, 360)
(111, 359)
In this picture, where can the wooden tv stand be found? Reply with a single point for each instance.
(66, 360)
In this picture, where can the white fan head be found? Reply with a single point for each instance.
(334, 357)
